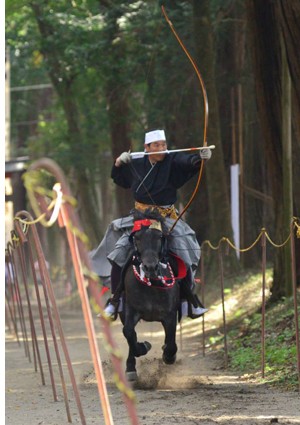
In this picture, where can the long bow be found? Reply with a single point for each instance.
(205, 103)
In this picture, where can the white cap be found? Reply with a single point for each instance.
(154, 136)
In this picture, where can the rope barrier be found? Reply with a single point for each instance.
(295, 223)
(31, 179)
(263, 235)
(63, 204)
(278, 245)
(263, 231)
(31, 182)
(60, 200)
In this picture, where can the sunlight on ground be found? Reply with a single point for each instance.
(237, 302)
(240, 300)
(225, 419)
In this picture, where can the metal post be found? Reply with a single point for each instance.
(294, 281)
(203, 300)
(81, 262)
(221, 268)
(35, 347)
(263, 307)
(18, 300)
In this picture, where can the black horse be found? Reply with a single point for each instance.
(151, 290)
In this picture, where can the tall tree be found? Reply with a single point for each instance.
(63, 78)
(117, 92)
(218, 196)
(265, 21)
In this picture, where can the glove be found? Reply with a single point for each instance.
(205, 153)
(125, 157)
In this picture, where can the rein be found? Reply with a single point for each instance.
(160, 282)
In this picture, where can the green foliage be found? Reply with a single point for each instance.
(76, 43)
(88, 47)
(108, 68)
(280, 346)
(244, 325)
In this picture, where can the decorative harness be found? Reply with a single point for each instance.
(161, 282)
(140, 276)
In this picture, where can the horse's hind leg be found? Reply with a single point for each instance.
(170, 346)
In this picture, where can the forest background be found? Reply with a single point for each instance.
(89, 77)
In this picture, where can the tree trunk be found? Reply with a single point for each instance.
(216, 178)
(64, 87)
(289, 13)
(120, 141)
(287, 165)
(289, 19)
(266, 21)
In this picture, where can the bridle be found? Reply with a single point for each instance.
(166, 282)
(161, 280)
(142, 226)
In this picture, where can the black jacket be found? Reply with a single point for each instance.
(161, 184)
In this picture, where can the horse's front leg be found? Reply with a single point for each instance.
(136, 349)
(130, 366)
(170, 346)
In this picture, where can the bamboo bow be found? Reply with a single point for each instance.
(205, 103)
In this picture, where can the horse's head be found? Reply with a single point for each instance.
(148, 238)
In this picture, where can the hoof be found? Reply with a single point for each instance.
(142, 348)
(169, 359)
(131, 376)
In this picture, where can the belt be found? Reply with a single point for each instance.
(164, 211)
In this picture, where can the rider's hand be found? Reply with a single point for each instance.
(124, 158)
(205, 153)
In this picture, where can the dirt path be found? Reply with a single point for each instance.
(196, 390)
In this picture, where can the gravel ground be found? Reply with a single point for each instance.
(195, 390)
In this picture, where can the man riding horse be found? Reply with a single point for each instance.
(154, 180)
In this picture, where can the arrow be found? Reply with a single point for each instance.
(135, 155)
